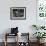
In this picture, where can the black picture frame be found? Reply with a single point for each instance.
(18, 13)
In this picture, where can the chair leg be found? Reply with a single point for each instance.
(5, 39)
(5, 43)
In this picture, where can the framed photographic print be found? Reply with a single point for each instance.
(18, 13)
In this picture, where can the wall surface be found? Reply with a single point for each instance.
(24, 25)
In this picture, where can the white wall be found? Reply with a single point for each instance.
(24, 25)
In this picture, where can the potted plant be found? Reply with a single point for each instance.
(39, 35)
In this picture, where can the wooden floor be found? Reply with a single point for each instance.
(13, 44)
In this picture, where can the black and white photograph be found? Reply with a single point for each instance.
(18, 13)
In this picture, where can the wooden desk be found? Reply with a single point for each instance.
(17, 43)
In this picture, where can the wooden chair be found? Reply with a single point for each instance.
(8, 34)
